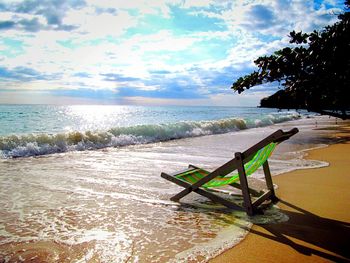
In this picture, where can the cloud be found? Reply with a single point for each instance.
(38, 97)
(22, 74)
(175, 91)
(97, 95)
(187, 20)
(118, 77)
(31, 25)
(276, 17)
(43, 14)
(4, 25)
(162, 51)
(82, 75)
(259, 17)
(92, 23)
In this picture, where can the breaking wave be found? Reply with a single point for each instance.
(41, 144)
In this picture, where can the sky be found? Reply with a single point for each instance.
(154, 52)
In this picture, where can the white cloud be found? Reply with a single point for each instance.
(159, 7)
(92, 25)
(276, 18)
(161, 41)
(197, 3)
(23, 97)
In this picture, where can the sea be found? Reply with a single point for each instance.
(81, 183)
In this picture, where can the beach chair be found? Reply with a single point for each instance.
(195, 179)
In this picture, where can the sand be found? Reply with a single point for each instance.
(317, 202)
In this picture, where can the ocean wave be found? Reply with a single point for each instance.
(42, 144)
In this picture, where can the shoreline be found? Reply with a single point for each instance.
(317, 205)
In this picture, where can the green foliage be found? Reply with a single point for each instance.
(314, 73)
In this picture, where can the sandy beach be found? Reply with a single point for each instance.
(317, 204)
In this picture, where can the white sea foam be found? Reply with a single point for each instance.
(33, 145)
(224, 240)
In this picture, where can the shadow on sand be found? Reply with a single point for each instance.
(320, 233)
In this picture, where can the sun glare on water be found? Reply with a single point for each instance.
(97, 117)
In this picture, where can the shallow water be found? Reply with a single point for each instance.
(111, 204)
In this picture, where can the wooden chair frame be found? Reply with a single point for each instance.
(250, 206)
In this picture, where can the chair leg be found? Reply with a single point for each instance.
(252, 191)
(244, 185)
(269, 182)
(183, 193)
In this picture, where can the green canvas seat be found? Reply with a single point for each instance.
(233, 173)
(194, 175)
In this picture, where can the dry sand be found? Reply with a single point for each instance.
(317, 202)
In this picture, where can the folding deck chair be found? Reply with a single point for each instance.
(195, 179)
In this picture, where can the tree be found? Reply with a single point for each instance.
(314, 74)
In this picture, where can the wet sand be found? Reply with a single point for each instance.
(317, 202)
